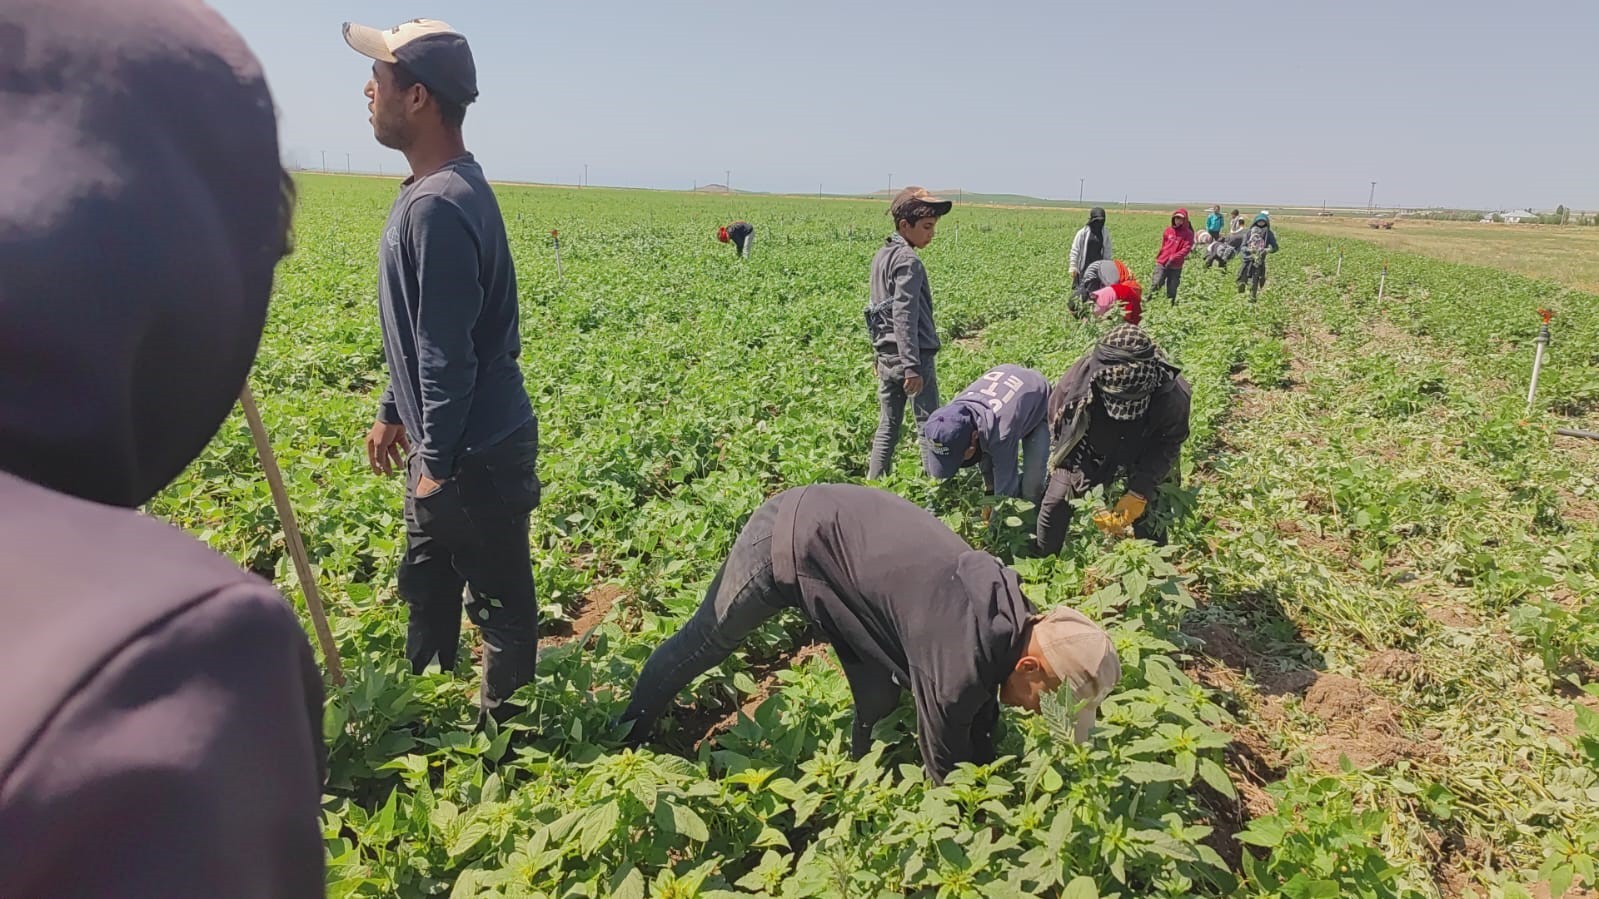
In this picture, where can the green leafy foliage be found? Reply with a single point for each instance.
(678, 386)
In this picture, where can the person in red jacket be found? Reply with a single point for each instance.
(1174, 247)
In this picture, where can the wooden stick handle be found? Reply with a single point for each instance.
(291, 535)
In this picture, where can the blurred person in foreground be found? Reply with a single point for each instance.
(907, 605)
(455, 414)
(163, 711)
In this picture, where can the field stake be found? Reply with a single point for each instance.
(1538, 356)
(560, 272)
(1339, 272)
(291, 534)
(1382, 282)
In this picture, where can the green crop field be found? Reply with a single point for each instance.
(1361, 668)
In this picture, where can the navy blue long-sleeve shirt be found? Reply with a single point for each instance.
(447, 292)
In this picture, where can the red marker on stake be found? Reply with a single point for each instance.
(1537, 359)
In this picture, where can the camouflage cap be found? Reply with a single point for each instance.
(918, 202)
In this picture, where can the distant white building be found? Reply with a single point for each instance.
(1517, 216)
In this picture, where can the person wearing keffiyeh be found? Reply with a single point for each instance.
(1122, 409)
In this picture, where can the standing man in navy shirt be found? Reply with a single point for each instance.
(455, 414)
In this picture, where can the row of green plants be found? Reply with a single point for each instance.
(677, 387)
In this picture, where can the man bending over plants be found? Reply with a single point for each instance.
(456, 415)
(740, 234)
(906, 604)
(899, 319)
(994, 423)
(1120, 409)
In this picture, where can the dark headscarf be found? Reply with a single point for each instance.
(1127, 366)
(141, 215)
(1096, 235)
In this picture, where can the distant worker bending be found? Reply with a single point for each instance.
(741, 235)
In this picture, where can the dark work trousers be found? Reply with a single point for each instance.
(1075, 478)
(1169, 275)
(891, 397)
(741, 598)
(473, 532)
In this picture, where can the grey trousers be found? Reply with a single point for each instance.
(891, 398)
(1035, 463)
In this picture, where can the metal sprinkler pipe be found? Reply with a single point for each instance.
(1569, 432)
(1537, 359)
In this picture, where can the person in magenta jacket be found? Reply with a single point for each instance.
(1174, 247)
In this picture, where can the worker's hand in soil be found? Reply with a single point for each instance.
(386, 446)
(1118, 522)
(913, 384)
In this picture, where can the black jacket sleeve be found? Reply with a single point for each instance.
(957, 730)
(1168, 430)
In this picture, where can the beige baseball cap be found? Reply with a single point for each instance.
(1081, 654)
(429, 49)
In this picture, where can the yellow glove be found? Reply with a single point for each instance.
(1118, 522)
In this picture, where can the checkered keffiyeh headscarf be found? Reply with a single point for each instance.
(1133, 369)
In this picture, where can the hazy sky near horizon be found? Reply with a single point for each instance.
(1470, 103)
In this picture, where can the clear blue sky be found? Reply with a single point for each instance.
(1468, 103)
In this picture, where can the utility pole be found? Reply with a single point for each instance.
(324, 162)
(891, 183)
(1080, 190)
(585, 174)
(346, 163)
(728, 180)
(1372, 197)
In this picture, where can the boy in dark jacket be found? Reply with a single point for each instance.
(1122, 408)
(899, 318)
(906, 604)
(742, 236)
(163, 711)
(1174, 247)
(991, 424)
